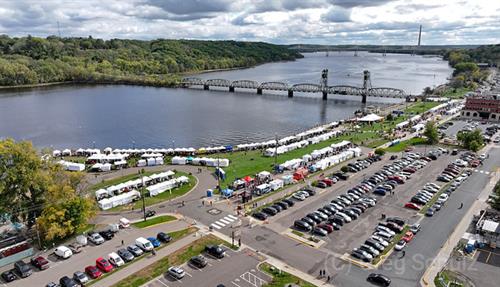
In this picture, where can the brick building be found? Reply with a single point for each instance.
(482, 107)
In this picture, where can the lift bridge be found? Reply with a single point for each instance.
(365, 91)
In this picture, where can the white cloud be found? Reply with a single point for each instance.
(278, 21)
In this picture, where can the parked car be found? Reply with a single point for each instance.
(126, 255)
(163, 237)
(215, 251)
(75, 247)
(408, 236)
(107, 234)
(198, 261)
(176, 272)
(67, 282)
(40, 262)
(135, 250)
(95, 238)
(269, 211)
(379, 279)
(150, 213)
(93, 272)
(103, 265)
(63, 252)
(23, 269)
(412, 205)
(400, 245)
(260, 215)
(415, 228)
(320, 231)
(155, 242)
(9, 276)
(80, 277)
(115, 259)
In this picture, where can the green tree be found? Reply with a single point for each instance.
(496, 196)
(380, 151)
(471, 140)
(23, 180)
(431, 133)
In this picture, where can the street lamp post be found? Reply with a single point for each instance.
(142, 195)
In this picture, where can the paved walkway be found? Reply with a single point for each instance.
(444, 254)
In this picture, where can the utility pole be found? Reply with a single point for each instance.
(142, 195)
(276, 152)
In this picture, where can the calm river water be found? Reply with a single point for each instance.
(125, 116)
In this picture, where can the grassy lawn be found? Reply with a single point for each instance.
(447, 278)
(455, 93)
(281, 278)
(420, 107)
(298, 233)
(167, 195)
(154, 221)
(176, 258)
(401, 146)
(176, 235)
(391, 244)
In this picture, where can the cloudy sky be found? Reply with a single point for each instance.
(276, 21)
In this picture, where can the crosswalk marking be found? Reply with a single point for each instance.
(216, 225)
(232, 216)
(225, 221)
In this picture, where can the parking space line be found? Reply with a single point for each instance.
(188, 274)
(161, 282)
(235, 284)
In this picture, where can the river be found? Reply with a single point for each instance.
(72, 116)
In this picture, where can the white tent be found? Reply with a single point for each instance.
(66, 152)
(370, 118)
(72, 166)
(56, 152)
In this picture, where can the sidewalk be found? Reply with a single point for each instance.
(122, 273)
(444, 254)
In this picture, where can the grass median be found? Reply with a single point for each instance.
(154, 221)
(176, 235)
(176, 258)
(281, 278)
(401, 146)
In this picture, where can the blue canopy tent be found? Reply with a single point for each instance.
(227, 192)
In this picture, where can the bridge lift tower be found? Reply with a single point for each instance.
(324, 83)
(367, 85)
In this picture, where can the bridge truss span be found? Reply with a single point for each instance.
(218, 83)
(274, 86)
(307, 88)
(245, 84)
(344, 90)
(386, 93)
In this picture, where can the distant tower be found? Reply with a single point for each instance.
(324, 78)
(327, 52)
(419, 35)
(58, 29)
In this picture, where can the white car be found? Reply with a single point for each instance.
(380, 240)
(415, 228)
(299, 196)
(386, 236)
(346, 217)
(385, 229)
(176, 272)
(442, 198)
(483, 156)
(400, 245)
(96, 238)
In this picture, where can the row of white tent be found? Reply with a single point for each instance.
(297, 162)
(150, 161)
(105, 158)
(296, 145)
(220, 162)
(72, 166)
(161, 187)
(57, 153)
(324, 163)
(132, 184)
(289, 139)
(121, 199)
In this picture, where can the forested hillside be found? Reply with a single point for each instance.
(31, 60)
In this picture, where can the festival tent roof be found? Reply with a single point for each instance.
(248, 178)
(370, 118)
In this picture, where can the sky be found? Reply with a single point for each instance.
(333, 22)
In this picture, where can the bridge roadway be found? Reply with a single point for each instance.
(303, 87)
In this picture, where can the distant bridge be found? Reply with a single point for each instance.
(364, 92)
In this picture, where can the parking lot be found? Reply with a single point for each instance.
(237, 269)
(353, 234)
(60, 267)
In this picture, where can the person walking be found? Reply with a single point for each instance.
(404, 253)
(122, 243)
(153, 252)
(461, 205)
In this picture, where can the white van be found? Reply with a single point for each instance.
(144, 244)
(63, 252)
(115, 259)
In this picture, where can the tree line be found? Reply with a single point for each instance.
(33, 60)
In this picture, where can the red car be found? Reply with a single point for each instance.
(409, 169)
(408, 236)
(396, 178)
(40, 262)
(93, 272)
(103, 265)
(328, 181)
(412, 205)
(327, 227)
